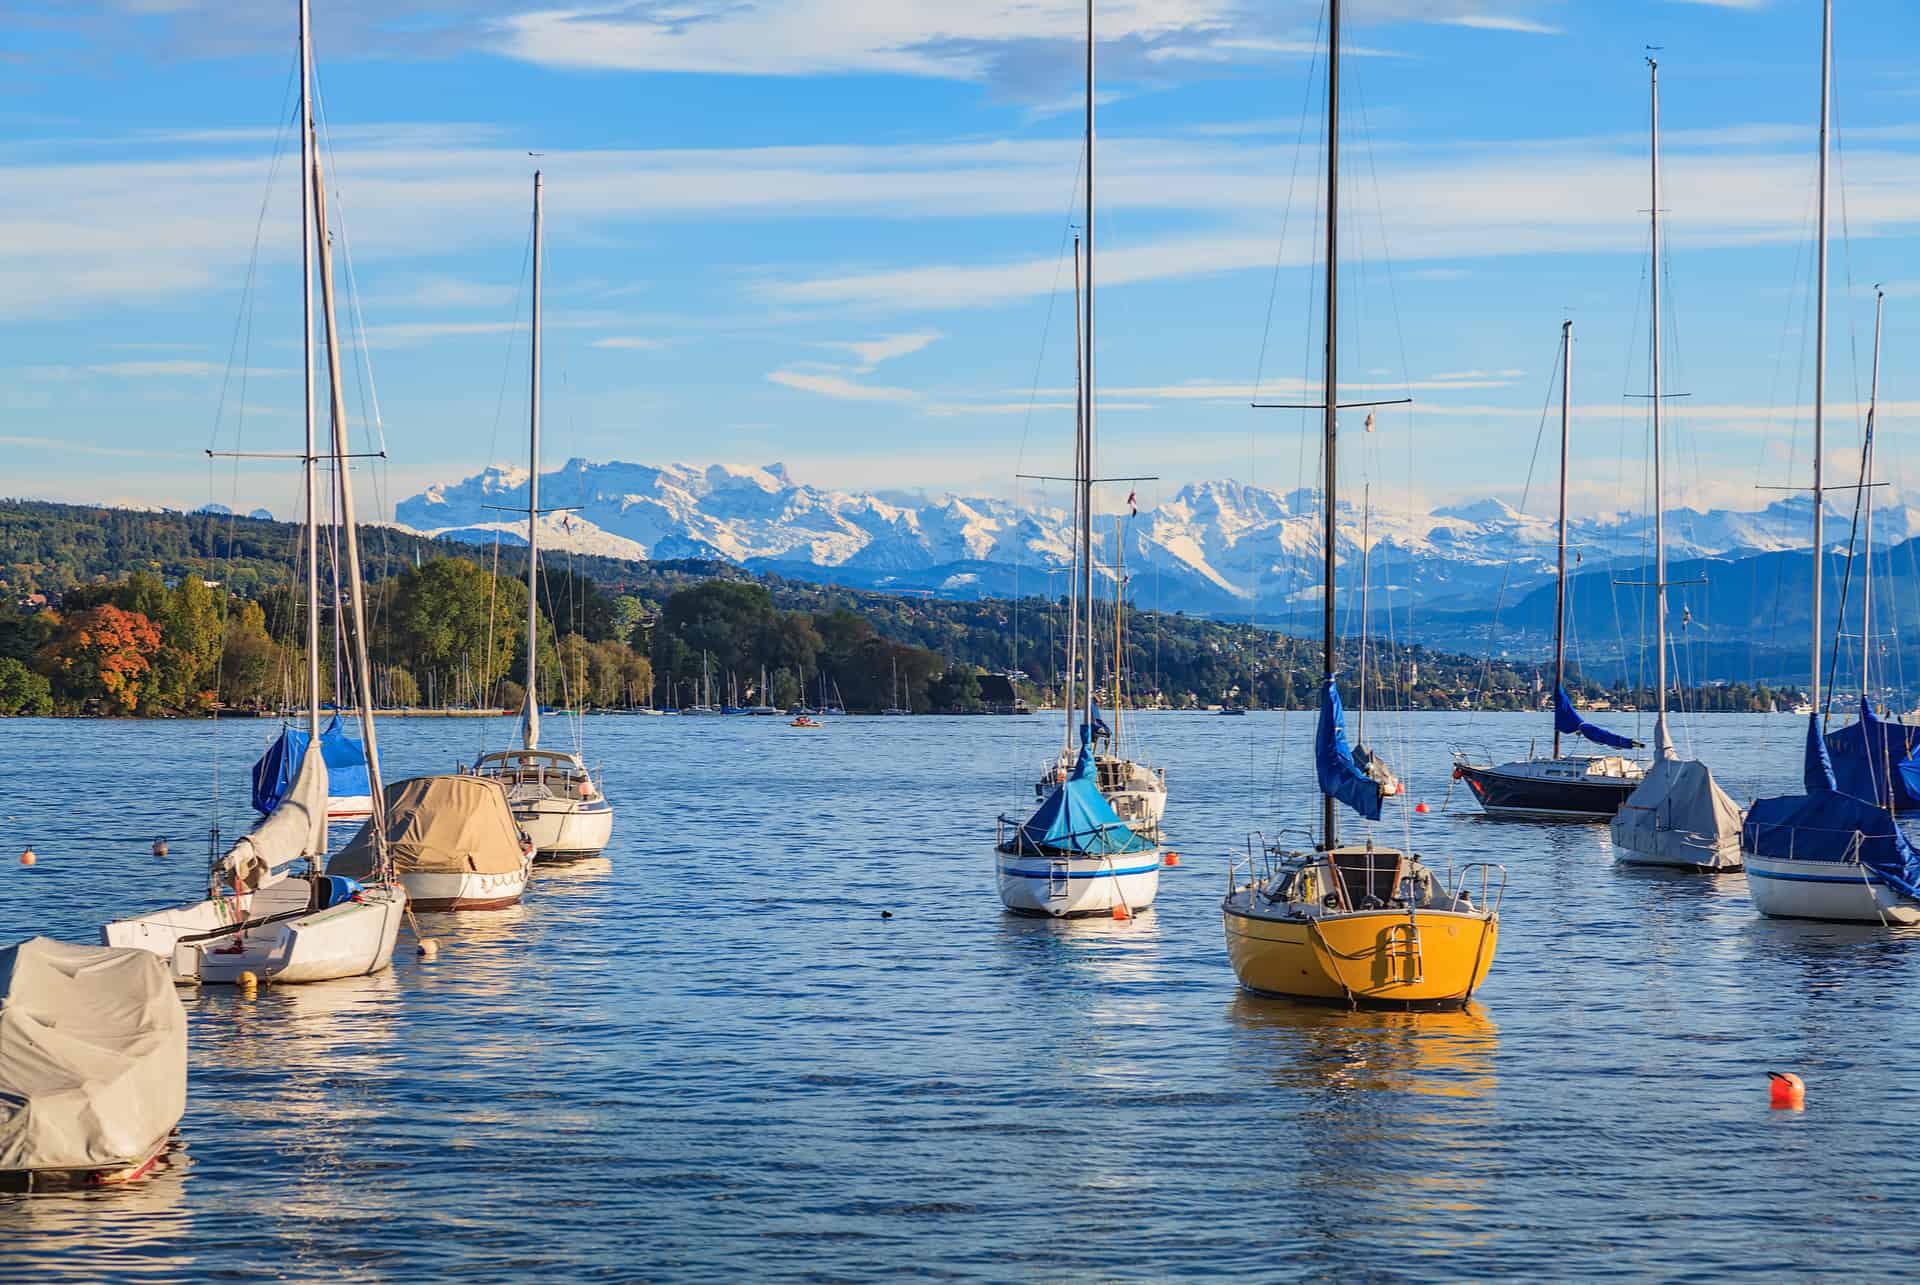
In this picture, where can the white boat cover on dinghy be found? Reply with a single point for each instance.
(93, 1057)
(297, 827)
(1678, 815)
(440, 825)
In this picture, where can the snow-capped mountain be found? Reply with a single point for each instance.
(1216, 547)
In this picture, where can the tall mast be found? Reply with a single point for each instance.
(530, 719)
(1119, 585)
(306, 343)
(1366, 587)
(1086, 428)
(1659, 493)
(350, 538)
(1820, 346)
(1560, 598)
(1866, 480)
(1069, 704)
(1329, 819)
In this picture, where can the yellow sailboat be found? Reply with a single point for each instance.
(1359, 923)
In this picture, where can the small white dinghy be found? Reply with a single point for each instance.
(452, 842)
(93, 1063)
(269, 912)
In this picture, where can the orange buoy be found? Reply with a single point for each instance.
(27, 858)
(1173, 859)
(1120, 912)
(1786, 1091)
(1419, 807)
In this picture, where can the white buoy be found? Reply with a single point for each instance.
(429, 948)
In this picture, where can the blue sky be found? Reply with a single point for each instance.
(829, 232)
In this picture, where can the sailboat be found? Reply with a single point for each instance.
(1825, 854)
(554, 797)
(898, 708)
(349, 794)
(1136, 791)
(1361, 923)
(269, 912)
(1075, 855)
(1874, 758)
(1678, 815)
(705, 704)
(1571, 787)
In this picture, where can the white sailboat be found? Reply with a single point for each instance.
(1678, 815)
(1075, 855)
(555, 799)
(269, 911)
(1823, 854)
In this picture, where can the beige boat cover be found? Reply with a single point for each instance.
(440, 824)
(93, 1056)
(297, 827)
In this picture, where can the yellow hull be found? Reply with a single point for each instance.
(1362, 957)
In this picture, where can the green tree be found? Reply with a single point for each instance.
(450, 618)
(21, 690)
(250, 661)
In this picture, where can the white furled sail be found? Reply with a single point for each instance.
(297, 827)
(1679, 816)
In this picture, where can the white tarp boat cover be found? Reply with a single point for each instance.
(1678, 815)
(440, 825)
(93, 1056)
(297, 827)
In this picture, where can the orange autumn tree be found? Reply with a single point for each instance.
(102, 652)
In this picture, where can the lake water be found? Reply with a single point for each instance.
(707, 1056)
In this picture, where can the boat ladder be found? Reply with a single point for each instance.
(1402, 944)
(1058, 883)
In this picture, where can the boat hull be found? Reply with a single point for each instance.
(352, 939)
(1514, 794)
(1071, 887)
(432, 890)
(1838, 891)
(565, 829)
(1360, 957)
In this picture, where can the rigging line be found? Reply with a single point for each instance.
(1286, 217)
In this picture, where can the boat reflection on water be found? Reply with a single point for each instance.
(128, 1231)
(1395, 1110)
(575, 877)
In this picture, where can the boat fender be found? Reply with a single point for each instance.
(1458, 771)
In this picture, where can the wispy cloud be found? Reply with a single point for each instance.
(872, 352)
(1501, 22)
(838, 387)
(630, 343)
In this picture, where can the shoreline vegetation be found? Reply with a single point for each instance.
(114, 612)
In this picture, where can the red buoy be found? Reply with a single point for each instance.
(1786, 1091)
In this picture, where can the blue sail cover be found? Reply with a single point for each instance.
(1567, 721)
(1076, 819)
(1874, 756)
(1100, 727)
(1826, 825)
(1340, 777)
(346, 765)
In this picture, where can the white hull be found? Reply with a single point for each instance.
(465, 890)
(349, 807)
(565, 828)
(1064, 886)
(351, 939)
(1833, 890)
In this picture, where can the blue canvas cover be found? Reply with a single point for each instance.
(1076, 819)
(1873, 756)
(1826, 825)
(345, 759)
(1340, 777)
(1567, 722)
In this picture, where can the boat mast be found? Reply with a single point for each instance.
(349, 532)
(1560, 598)
(1119, 583)
(1069, 704)
(1659, 493)
(1820, 345)
(530, 718)
(1366, 586)
(311, 464)
(1329, 819)
(1866, 480)
(1087, 417)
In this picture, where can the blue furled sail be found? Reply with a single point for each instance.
(1100, 727)
(1567, 721)
(1874, 758)
(1340, 777)
(1826, 825)
(346, 764)
(1076, 819)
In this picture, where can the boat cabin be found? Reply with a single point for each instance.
(527, 773)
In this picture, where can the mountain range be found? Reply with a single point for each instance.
(1216, 548)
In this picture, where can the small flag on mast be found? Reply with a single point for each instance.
(1133, 502)
(1369, 421)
